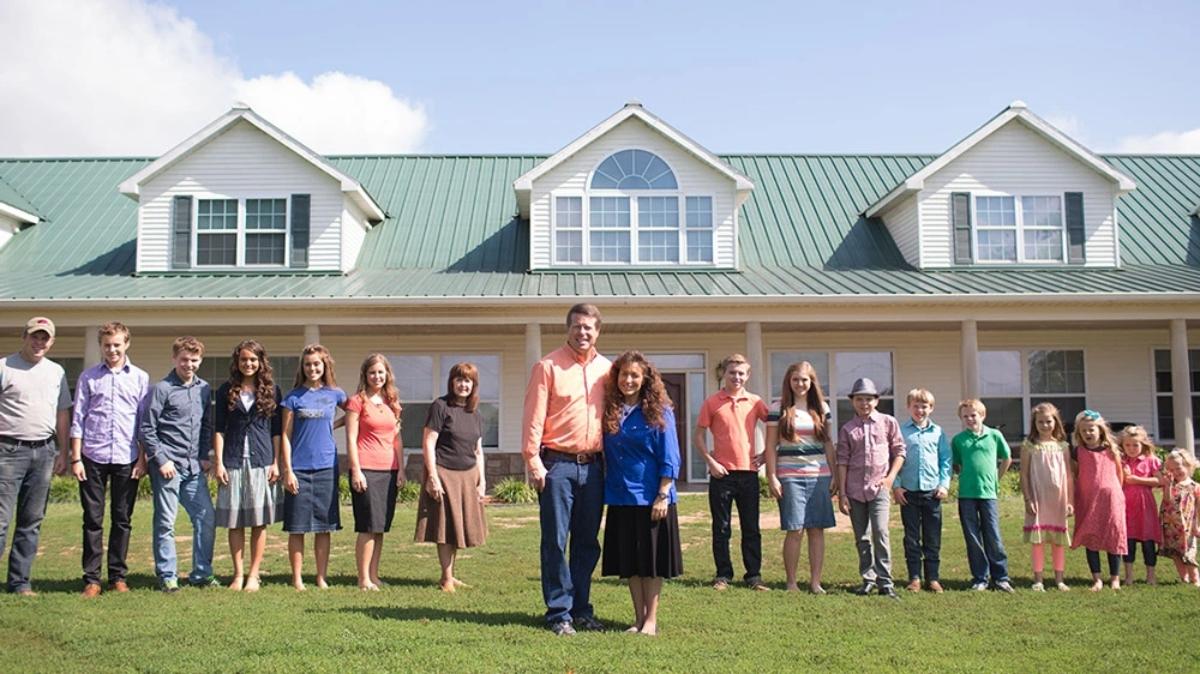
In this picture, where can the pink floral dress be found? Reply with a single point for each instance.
(1141, 512)
(1178, 513)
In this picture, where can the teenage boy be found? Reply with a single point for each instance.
(981, 457)
(870, 451)
(35, 411)
(104, 450)
(176, 433)
(561, 440)
(732, 414)
(920, 488)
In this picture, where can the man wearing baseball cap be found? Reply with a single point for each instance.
(35, 413)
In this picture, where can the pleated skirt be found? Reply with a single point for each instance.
(458, 519)
(249, 500)
(636, 546)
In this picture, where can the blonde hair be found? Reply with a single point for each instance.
(189, 344)
(731, 359)
(111, 329)
(919, 395)
(1184, 458)
(1138, 435)
(974, 403)
(1106, 434)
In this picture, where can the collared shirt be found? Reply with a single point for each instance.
(866, 446)
(177, 425)
(731, 420)
(564, 403)
(638, 457)
(976, 455)
(108, 406)
(31, 396)
(927, 458)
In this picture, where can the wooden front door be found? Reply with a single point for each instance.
(676, 385)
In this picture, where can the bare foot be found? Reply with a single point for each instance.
(236, 583)
(321, 584)
(299, 586)
(378, 583)
(253, 583)
(459, 583)
(793, 587)
(633, 629)
(650, 630)
(369, 587)
(448, 586)
(816, 589)
(1115, 583)
(1097, 585)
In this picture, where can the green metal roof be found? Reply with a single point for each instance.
(9, 195)
(452, 233)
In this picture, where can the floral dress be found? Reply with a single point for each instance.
(1178, 513)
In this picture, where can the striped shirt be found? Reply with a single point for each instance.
(803, 457)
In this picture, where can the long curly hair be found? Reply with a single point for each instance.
(264, 379)
(653, 395)
(391, 396)
(814, 400)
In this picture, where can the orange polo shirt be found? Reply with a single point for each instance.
(731, 420)
(564, 403)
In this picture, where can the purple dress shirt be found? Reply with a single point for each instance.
(866, 446)
(108, 408)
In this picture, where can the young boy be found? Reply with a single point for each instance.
(870, 451)
(923, 483)
(981, 457)
(104, 450)
(176, 435)
(731, 414)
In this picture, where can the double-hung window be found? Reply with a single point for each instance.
(1019, 229)
(1163, 388)
(241, 232)
(421, 378)
(841, 368)
(1012, 382)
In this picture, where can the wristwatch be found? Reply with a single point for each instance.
(662, 497)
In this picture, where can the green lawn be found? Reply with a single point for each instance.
(497, 626)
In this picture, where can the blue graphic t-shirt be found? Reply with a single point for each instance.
(313, 410)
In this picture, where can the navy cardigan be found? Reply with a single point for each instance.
(237, 424)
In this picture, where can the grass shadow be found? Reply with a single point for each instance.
(430, 613)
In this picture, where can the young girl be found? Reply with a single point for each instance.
(373, 455)
(1049, 492)
(1099, 501)
(1141, 469)
(246, 457)
(1180, 517)
(799, 456)
(310, 477)
(450, 511)
(641, 453)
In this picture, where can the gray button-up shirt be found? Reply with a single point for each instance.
(177, 424)
(108, 407)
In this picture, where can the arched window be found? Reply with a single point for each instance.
(634, 170)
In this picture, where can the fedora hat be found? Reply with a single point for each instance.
(864, 387)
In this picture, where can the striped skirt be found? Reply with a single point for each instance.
(248, 500)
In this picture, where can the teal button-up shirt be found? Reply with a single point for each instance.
(927, 461)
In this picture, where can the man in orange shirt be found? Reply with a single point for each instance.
(561, 438)
(731, 414)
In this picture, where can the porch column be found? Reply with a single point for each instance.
(312, 334)
(759, 376)
(1181, 388)
(533, 345)
(91, 346)
(970, 359)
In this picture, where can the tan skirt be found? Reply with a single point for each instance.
(458, 519)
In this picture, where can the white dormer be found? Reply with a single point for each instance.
(632, 192)
(16, 213)
(242, 195)
(1016, 191)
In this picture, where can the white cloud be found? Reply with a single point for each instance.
(1167, 142)
(85, 77)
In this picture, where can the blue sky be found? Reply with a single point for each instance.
(491, 77)
(779, 76)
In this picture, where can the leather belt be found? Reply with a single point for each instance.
(582, 458)
(9, 440)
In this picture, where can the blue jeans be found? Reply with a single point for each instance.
(24, 486)
(192, 491)
(981, 529)
(572, 502)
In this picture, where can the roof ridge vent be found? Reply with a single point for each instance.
(241, 105)
(633, 103)
(1018, 105)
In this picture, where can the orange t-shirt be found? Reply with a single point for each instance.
(731, 420)
(377, 436)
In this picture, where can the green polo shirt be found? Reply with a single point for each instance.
(977, 456)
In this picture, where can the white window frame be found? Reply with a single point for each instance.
(1019, 228)
(442, 360)
(1167, 435)
(829, 386)
(241, 231)
(585, 195)
(1027, 396)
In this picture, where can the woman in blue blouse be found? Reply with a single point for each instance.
(641, 450)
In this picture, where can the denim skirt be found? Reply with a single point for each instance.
(315, 508)
(806, 504)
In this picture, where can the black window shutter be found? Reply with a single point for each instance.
(181, 232)
(1073, 210)
(960, 219)
(300, 218)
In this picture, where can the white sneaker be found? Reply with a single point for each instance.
(979, 587)
(1038, 587)
(1062, 587)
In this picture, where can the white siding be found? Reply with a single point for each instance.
(695, 178)
(1016, 160)
(903, 224)
(354, 232)
(243, 163)
(8, 227)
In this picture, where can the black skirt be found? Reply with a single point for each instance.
(636, 546)
(375, 508)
